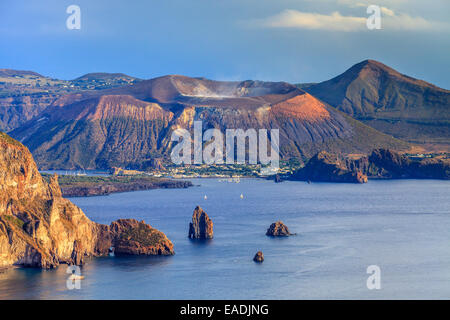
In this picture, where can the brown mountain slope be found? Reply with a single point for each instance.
(99, 132)
(389, 101)
(130, 125)
(25, 94)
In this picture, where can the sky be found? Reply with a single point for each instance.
(274, 40)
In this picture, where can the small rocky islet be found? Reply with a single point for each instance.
(259, 257)
(278, 229)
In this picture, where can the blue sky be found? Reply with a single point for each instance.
(289, 40)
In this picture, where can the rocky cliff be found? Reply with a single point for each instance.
(388, 164)
(328, 167)
(39, 228)
(380, 164)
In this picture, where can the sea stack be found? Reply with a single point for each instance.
(278, 229)
(259, 257)
(201, 226)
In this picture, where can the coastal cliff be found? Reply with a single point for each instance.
(328, 167)
(389, 164)
(380, 164)
(39, 228)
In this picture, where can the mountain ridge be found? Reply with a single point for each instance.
(394, 103)
(128, 126)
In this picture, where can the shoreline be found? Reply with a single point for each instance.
(89, 186)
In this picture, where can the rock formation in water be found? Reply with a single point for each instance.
(39, 228)
(259, 257)
(134, 237)
(278, 229)
(201, 226)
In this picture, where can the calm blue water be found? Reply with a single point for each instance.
(403, 226)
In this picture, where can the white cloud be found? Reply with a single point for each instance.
(388, 12)
(337, 22)
(305, 20)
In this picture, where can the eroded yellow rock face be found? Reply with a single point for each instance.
(38, 227)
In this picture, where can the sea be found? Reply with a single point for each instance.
(387, 239)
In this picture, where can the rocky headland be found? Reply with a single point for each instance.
(388, 164)
(380, 164)
(328, 167)
(40, 228)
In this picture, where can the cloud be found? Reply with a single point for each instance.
(337, 22)
(305, 20)
(387, 12)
